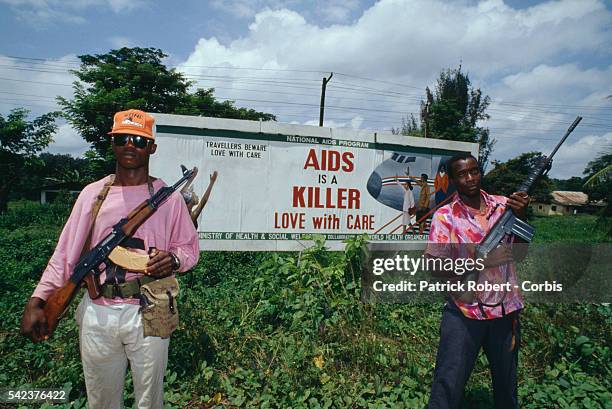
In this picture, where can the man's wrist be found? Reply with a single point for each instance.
(176, 262)
(36, 302)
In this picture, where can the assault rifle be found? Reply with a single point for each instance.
(508, 223)
(88, 269)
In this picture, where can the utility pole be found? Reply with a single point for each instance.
(426, 119)
(321, 112)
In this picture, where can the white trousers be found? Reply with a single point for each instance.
(110, 336)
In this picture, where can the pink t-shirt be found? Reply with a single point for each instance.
(170, 229)
(453, 225)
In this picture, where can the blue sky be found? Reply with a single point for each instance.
(541, 62)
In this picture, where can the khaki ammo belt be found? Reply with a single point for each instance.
(125, 290)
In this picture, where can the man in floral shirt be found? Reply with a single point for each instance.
(475, 320)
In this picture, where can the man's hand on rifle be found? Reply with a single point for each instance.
(500, 255)
(519, 201)
(33, 322)
(161, 264)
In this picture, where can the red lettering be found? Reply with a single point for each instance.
(330, 198)
(298, 196)
(330, 160)
(348, 163)
(317, 194)
(323, 159)
(360, 222)
(333, 161)
(289, 220)
(353, 199)
(311, 160)
(341, 198)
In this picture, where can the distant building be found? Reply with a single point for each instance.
(48, 193)
(562, 203)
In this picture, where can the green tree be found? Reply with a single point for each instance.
(453, 112)
(136, 78)
(506, 177)
(20, 141)
(598, 184)
(52, 168)
(573, 184)
(409, 127)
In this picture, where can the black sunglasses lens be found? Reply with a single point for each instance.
(139, 141)
(120, 140)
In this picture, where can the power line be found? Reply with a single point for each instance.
(503, 135)
(348, 108)
(36, 82)
(59, 63)
(189, 66)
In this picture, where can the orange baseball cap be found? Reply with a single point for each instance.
(133, 122)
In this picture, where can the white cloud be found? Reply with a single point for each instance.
(533, 109)
(120, 42)
(567, 83)
(513, 55)
(411, 40)
(324, 11)
(392, 33)
(354, 123)
(46, 12)
(335, 11)
(238, 9)
(68, 140)
(119, 6)
(573, 157)
(35, 86)
(537, 57)
(41, 18)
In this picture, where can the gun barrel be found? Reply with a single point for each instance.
(569, 131)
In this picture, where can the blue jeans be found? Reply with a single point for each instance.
(460, 341)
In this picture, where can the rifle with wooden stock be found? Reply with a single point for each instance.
(508, 223)
(88, 269)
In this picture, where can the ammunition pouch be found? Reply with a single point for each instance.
(158, 307)
(124, 290)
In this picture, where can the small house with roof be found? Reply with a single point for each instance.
(562, 203)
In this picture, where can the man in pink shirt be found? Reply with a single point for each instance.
(110, 327)
(477, 319)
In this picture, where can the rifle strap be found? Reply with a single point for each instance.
(95, 209)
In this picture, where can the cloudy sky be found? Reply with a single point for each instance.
(541, 62)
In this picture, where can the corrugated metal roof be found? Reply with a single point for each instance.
(568, 198)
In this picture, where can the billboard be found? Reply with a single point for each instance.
(275, 184)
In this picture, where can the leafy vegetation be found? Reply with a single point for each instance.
(289, 330)
(453, 112)
(598, 183)
(20, 141)
(507, 176)
(136, 78)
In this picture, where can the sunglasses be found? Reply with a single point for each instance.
(139, 142)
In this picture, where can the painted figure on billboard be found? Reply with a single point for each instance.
(384, 185)
(408, 207)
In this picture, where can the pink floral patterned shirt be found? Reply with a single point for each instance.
(453, 225)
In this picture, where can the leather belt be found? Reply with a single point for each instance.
(125, 290)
